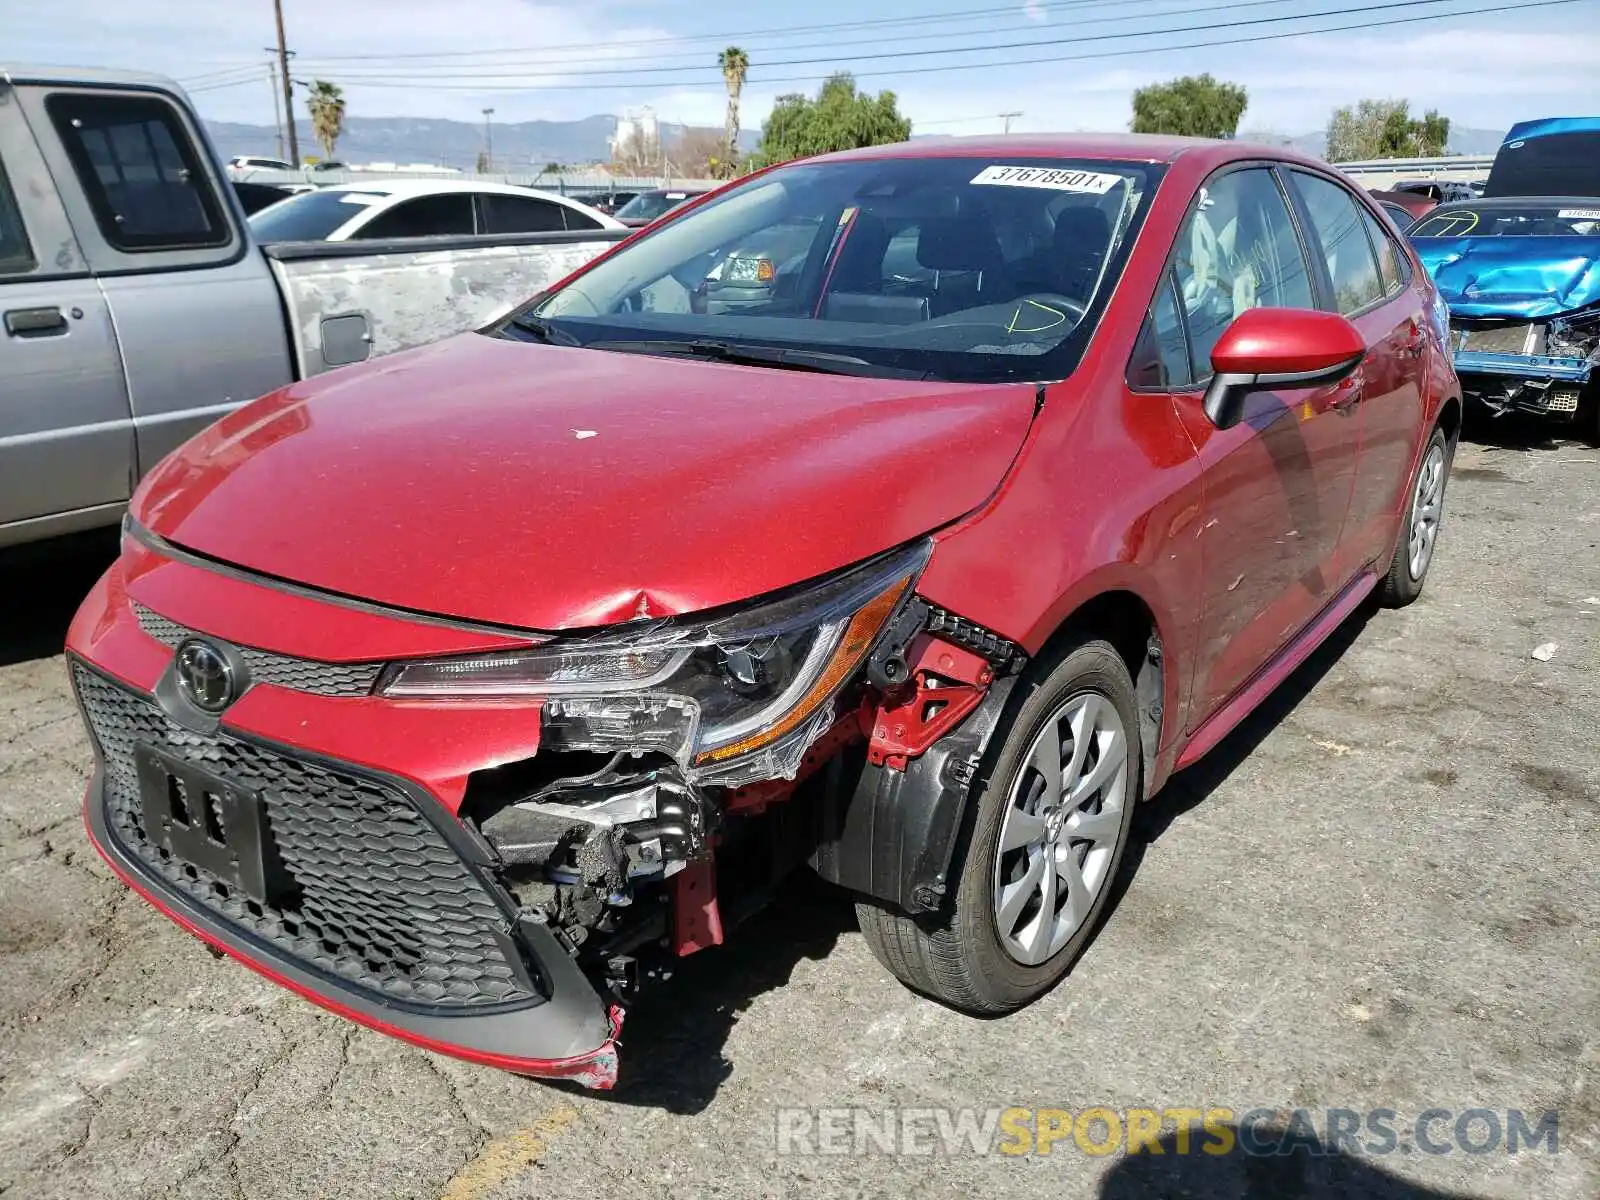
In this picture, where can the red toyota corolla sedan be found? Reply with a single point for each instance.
(910, 514)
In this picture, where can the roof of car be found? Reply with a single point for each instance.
(436, 187)
(1480, 203)
(1139, 147)
(39, 73)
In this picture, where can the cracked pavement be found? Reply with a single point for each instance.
(1381, 892)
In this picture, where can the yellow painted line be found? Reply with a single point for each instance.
(504, 1158)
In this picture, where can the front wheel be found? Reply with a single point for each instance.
(1414, 552)
(1050, 827)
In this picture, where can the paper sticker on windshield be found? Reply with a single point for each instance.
(1579, 214)
(1048, 177)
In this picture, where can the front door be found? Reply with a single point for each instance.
(66, 433)
(1278, 484)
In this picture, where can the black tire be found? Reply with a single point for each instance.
(1589, 417)
(958, 956)
(1403, 583)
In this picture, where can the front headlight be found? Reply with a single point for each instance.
(706, 691)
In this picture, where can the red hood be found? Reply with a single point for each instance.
(554, 488)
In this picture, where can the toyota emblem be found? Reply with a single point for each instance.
(205, 677)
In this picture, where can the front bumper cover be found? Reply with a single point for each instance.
(536, 1040)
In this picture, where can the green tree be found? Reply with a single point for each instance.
(326, 102)
(840, 118)
(735, 64)
(1385, 129)
(1193, 106)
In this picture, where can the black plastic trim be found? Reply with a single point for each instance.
(893, 836)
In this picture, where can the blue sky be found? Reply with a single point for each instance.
(451, 58)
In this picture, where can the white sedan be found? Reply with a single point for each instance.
(412, 208)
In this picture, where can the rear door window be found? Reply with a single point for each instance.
(519, 214)
(16, 255)
(141, 173)
(1391, 262)
(446, 215)
(1339, 232)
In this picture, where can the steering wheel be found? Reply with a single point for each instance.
(1204, 257)
(1040, 312)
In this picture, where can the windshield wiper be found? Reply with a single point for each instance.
(783, 357)
(543, 330)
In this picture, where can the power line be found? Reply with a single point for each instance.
(411, 84)
(875, 22)
(496, 70)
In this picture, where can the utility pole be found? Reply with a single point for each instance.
(1006, 117)
(488, 140)
(288, 94)
(277, 100)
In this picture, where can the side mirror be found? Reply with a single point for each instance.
(1278, 348)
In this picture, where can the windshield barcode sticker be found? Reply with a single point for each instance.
(1579, 214)
(1048, 177)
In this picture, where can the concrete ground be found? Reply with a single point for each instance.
(1381, 893)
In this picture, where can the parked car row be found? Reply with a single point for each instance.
(139, 306)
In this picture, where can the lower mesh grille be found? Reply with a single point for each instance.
(380, 898)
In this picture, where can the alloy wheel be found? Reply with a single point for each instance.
(1426, 508)
(1059, 834)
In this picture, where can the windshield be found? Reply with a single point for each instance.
(1522, 220)
(954, 268)
(651, 205)
(310, 216)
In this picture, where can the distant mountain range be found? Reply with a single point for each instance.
(518, 146)
(521, 145)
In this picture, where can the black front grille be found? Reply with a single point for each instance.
(282, 670)
(380, 898)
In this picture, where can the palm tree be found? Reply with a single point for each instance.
(735, 64)
(326, 103)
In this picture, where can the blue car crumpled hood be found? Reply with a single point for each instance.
(1525, 277)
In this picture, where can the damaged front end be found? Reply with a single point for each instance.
(1546, 366)
(685, 765)
(1522, 282)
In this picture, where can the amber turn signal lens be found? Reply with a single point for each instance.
(853, 645)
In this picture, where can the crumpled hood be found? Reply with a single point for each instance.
(550, 488)
(1524, 277)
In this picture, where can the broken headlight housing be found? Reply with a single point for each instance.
(709, 691)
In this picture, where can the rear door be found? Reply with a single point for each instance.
(66, 433)
(1364, 277)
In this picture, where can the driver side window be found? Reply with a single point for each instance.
(1237, 250)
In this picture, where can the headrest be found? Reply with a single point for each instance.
(1081, 230)
(958, 244)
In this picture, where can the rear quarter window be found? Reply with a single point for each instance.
(143, 178)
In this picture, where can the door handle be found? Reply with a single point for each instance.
(36, 322)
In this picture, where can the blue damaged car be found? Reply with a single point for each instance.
(1520, 271)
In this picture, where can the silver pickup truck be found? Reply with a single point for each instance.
(136, 308)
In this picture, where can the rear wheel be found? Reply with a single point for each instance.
(1051, 823)
(1414, 552)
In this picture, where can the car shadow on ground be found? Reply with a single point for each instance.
(1309, 1170)
(42, 585)
(1522, 431)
